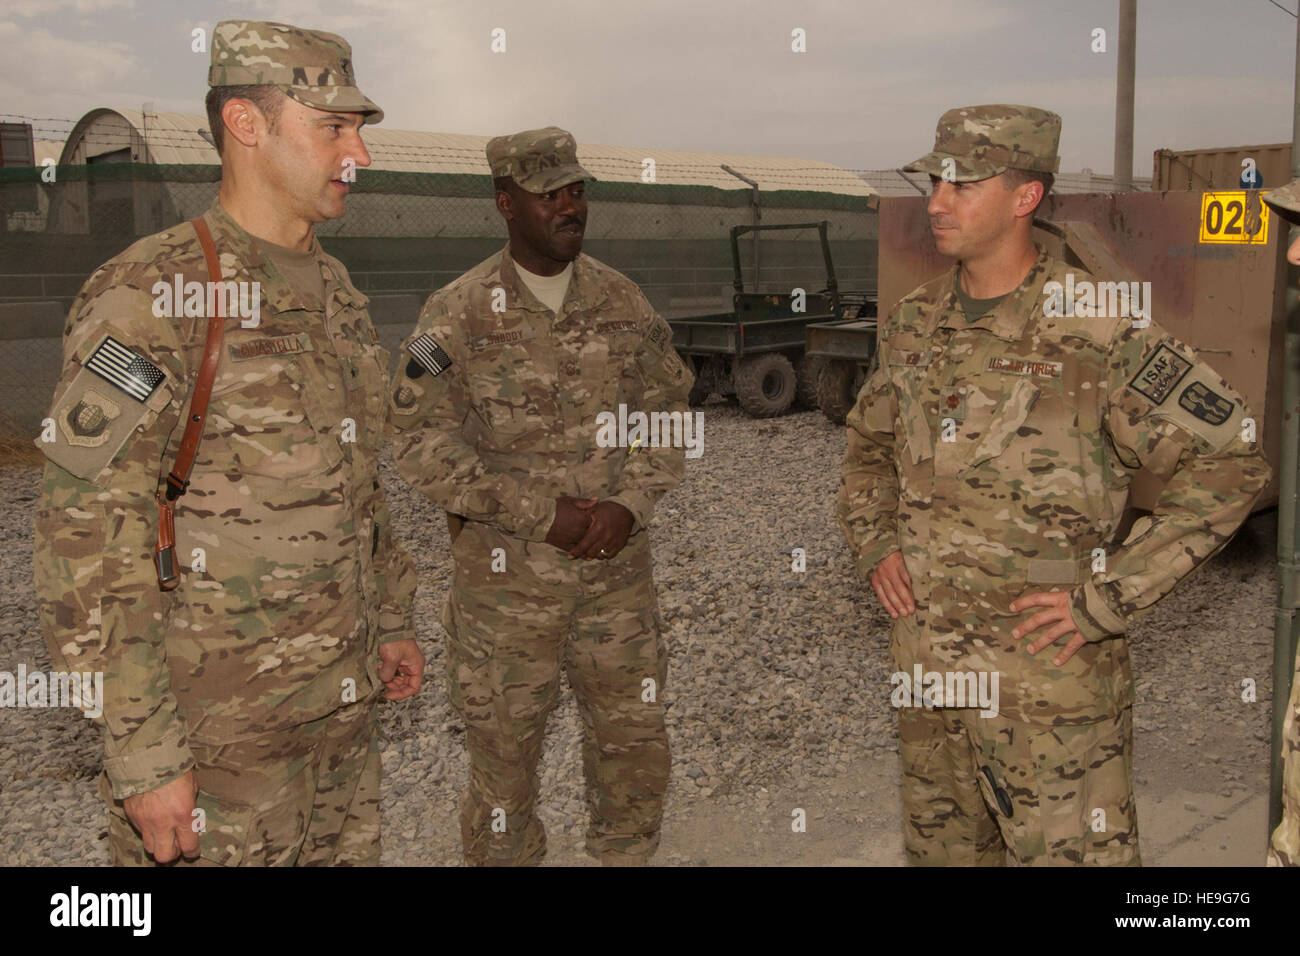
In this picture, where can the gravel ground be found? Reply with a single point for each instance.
(778, 681)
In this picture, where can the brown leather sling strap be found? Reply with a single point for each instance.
(178, 480)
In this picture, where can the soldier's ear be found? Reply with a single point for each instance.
(505, 204)
(240, 118)
(1030, 194)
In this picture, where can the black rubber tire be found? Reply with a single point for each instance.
(809, 370)
(835, 391)
(699, 394)
(766, 384)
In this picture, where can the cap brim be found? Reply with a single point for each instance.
(959, 169)
(339, 99)
(1286, 200)
(556, 177)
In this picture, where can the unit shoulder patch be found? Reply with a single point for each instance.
(1204, 403)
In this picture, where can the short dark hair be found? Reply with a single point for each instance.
(1012, 178)
(268, 99)
(502, 183)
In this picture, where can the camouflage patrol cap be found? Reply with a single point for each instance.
(313, 67)
(983, 141)
(539, 160)
(1286, 200)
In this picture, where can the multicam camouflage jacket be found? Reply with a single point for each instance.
(1284, 845)
(496, 412)
(997, 455)
(291, 577)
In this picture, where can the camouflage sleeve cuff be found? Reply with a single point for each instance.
(530, 515)
(396, 624)
(159, 763)
(868, 558)
(639, 503)
(1093, 617)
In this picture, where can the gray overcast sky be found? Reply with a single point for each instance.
(713, 76)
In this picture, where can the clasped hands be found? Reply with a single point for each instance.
(589, 528)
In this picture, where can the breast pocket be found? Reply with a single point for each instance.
(372, 378)
(504, 381)
(994, 421)
(267, 416)
(618, 369)
(908, 369)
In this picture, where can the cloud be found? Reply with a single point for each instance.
(37, 63)
(45, 8)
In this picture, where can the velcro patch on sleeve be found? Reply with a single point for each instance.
(660, 334)
(124, 369)
(427, 355)
(1204, 407)
(1160, 374)
(1206, 404)
(93, 423)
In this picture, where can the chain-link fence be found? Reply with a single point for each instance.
(404, 236)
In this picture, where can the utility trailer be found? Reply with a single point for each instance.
(756, 351)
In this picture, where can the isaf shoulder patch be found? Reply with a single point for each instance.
(124, 369)
(660, 334)
(426, 356)
(1160, 374)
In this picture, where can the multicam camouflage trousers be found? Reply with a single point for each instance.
(306, 796)
(503, 667)
(1284, 847)
(984, 791)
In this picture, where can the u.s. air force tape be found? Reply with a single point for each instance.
(427, 355)
(123, 368)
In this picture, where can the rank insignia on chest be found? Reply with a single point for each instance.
(426, 356)
(124, 369)
(952, 403)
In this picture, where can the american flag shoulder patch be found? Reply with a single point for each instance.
(125, 369)
(429, 354)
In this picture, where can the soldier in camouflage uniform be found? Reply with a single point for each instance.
(1284, 846)
(248, 692)
(989, 458)
(496, 419)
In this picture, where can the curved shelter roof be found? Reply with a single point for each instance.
(132, 136)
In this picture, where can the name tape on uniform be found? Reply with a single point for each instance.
(124, 369)
(277, 345)
(429, 354)
(1039, 368)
